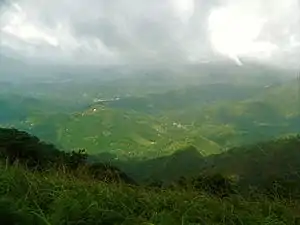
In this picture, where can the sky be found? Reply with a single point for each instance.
(103, 32)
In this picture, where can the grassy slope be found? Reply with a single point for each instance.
(257, 164)
(270, 113)
(55, 198)
(123, 132)
(206, 116)
(117, 131)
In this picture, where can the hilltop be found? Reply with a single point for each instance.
(252, 165)
(48, 186)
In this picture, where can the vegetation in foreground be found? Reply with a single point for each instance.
(56, 198)
(63, 188)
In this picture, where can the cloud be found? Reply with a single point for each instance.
(260, 29)
(141, 31)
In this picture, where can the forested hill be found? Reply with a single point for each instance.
(213, 118)
(41, 184)
(253, 164)
(257, 165)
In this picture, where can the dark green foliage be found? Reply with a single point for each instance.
(108, 173)
(74, 160)
(104, 196)
(262, 164)
(53, 198)
(185, 162)
(155, 184)
(213, 184)
(8, 213)
(272, 167)
(216, 184)
(20, 146)
(27, 149)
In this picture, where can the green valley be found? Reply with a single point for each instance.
(120, 151)
(177, 112)
(211, 117)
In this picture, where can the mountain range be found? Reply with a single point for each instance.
(149, 117)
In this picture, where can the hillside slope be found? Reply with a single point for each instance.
(212, 118)
(54, 198)
(54, 195)
(257, 165)
(58, 196)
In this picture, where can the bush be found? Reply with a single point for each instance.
(108, 173)
(27, 149)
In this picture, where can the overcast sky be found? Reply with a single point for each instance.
(156, 31)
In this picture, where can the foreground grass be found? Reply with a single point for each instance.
(54, 198)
